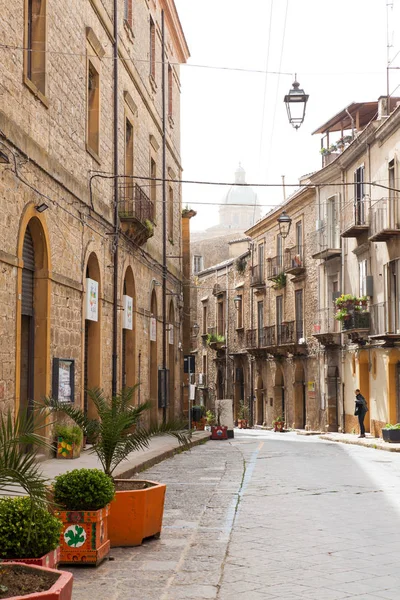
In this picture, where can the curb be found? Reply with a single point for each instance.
(372, 445)
(150, 462)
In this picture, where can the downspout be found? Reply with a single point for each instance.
(116, 219)
(251, 327)
(164, 221)
(226, 331)
(342, 242)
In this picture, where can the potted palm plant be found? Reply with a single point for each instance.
(28, 532)
(137, 509)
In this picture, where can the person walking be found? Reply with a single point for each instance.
(360, 411)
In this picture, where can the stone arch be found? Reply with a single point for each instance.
(300, 407)
(92, 341)
(33, 325)
(171, 360)
(279, 393)
(153, 366)
(239, 386)
(363, 383)
(128, 336)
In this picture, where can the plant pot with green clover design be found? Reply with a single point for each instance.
(84, 497)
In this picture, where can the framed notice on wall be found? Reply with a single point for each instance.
(153, 329)
(171, 334)
(63, 388)
(128, 312)
(92, 300)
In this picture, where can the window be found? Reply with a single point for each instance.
(170, 214)
(152, 49)
(261, 262)
(279, 250)
(333, 224)
(239, 312)
(221, 317)
(128, 12)
(362, 277)
(35, 54)
(204, 363)
(393, 216)
(260, 321)
(205, 318)
(197, 263)
(359, 195)
(393, 312)
(153, 185)
(279, 316)
(299, 239)
(93, 109)
(128, 187)
(170, 90)
(299, 314)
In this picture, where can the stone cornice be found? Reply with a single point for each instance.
(176, 30)
(389, 126)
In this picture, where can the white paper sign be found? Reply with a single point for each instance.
(128, 312)
(92, 300)
(153, 329)
(171, 334)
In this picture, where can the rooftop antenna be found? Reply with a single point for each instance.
(389, 45)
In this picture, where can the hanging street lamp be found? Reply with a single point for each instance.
(284, 222)
(237, 300)
(296, 101)
(195, 329)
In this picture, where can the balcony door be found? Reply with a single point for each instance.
(279, 316)
(333, 222)
(299, 315)
(394, 296)
(359, 209)
(393, 209)
(279, 251)
(261, 262)
(260, 321)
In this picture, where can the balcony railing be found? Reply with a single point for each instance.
(294, 260)
(385, 321)
(325, 322)
(384, 220)
(257, 277)
(325, 242)
(275, 267)
(357, 321)
(267, 337)
(134, 204)
(355, 217)
(251, 338)
(286, 333)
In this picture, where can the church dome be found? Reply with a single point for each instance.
(239, 194)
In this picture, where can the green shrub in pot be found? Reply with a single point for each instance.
(22, 536)
(83, 489)
(72, 434)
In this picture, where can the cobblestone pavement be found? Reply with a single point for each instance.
(265, 516)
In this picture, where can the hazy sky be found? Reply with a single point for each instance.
(338, 49)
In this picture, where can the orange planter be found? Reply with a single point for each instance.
(60, 590)
(136, 514)
(49, 560)
(84, 537)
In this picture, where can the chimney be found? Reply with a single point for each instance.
(383, 111)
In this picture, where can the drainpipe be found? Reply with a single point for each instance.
(251, 327)
(342, 242)
(226, 332)
(116, 219)
(164, 221)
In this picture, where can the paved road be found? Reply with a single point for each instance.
(265, 516)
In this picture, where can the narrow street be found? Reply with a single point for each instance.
(265, 516)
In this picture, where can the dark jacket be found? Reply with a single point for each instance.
(361, 404)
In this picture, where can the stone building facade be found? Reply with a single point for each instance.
(57, 229)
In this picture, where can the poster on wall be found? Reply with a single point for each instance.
(128, 312)
(171, 334)
(63, 388)
(92, 300)
(153, 329)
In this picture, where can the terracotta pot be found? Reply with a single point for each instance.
(136, 514)
(49, 560)
(242, 423)
(279, 426)
(66, 450)
(60, 590)
(219, 433)
(84, 537)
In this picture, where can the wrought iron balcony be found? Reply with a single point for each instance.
(326, 328)
(267, 337)
(257, 277)
(355, 218)
(136, 212)
(357, 321)
(275, 267)
(294, 260)
(325, 242)
(286, 333)
(251, 338)
(384, 220)
(385, 322)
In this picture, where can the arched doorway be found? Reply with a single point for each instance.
(171, 361)
(239, 387)
(363, 361)
(279, 394)
(300, 408)
(153, 369)
(220, 384)
(33, 317)
(92, 341)
(128, 362)
(260, 401)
